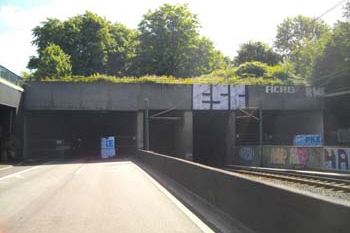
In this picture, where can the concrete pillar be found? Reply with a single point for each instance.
(184, 136)
(25, 136)
(230, 137)
(139, 128)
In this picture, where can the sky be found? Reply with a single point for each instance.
(228, 23)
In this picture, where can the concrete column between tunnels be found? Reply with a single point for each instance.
(184, 136)
(140, 134)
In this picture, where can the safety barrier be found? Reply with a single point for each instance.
(261, 207)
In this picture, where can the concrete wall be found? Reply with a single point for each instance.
(285, 97)
(261, 207)
(125, 97)
(291, 157)
(105, 96)
(283, 126)
(10, 94)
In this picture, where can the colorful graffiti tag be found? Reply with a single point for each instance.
(337, 158)
(298, 156)
(279, 155)
(246, 153)
(293, 157)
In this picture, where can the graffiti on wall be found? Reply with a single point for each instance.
(309, 91)
(294, 157)
(337, 158)
(279, 156)
(218, 97)
(298, 156)
(246, 154)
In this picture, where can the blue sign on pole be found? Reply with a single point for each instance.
(107, 147)
(308, 140)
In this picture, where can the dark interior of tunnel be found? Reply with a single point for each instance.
(82, 131)
(209, 137)
(162, 133)
(7, 120)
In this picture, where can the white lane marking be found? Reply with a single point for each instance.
(79, 170)
(27, 170)
(183, 208)
(4, 168)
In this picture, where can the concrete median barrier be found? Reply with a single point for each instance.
(261, 207)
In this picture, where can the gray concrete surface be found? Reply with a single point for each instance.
(89, 197)
(130, 97)
(260, 207)
(285, 97)
(105, 96)
(10, 94)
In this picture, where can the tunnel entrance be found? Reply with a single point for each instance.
(7, 127)
(210, 130)
(77, 134)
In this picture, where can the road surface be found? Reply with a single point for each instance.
(89, 196)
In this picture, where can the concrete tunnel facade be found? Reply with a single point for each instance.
(204, 125)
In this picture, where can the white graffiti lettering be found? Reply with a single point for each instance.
(314, 91)
(280, 89)
(218, 97)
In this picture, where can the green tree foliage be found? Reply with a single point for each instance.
(301, 40)
(94, 44)
(332, 70)
(346, 13)
(52, 62)
(256, 51)
(170, 44)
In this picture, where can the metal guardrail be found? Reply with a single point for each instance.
(10, 76)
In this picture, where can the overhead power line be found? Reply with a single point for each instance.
(330, 9)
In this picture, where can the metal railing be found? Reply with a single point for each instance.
(10, 76)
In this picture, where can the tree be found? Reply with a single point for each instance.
(94, 44)
(122, 52)
(257, 51)
(332, 70)
(346, 13)
(52, 62)
(301, 40)
(170, 44)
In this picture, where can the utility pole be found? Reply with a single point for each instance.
(146, 147)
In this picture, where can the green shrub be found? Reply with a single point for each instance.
(252, 69)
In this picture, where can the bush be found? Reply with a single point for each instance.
(252, 69)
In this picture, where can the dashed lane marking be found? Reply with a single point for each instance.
(24, 171)
(79, 170)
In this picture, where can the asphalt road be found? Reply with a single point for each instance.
(89, 196)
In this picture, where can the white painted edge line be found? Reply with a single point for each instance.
(183, 208)
(7, 167)
(79, 170)
(27, 170)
